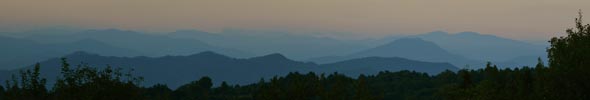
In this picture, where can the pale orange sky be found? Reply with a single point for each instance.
(507, 18)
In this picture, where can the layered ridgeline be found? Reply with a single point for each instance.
(22, 51)
(177, 70)
(296, 46)
(18, 53)
(149, 44)
(486, 47)
(411, 48)
(243, 43)
(471, 45)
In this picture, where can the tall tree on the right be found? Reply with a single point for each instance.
(569, 60)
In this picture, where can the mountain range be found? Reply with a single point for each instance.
(460, 49)
(177, 70)
(411, 48)
(17, 53)
(264, 42)
(484, 47)
(464, 49)
(148, 44)
(472, 46)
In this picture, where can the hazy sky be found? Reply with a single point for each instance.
(507, 18)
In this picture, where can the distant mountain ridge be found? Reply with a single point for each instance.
(465, 48)
(36, 47)
(18, 53)
(410, 48)
(178, 70)
(244, 44)
(149, 44)
(413, 48)
(483, 47)
(261, 42)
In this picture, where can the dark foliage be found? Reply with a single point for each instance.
(80, 83)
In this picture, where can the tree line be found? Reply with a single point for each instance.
(566, 77)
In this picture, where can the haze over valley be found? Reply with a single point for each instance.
(295, 52)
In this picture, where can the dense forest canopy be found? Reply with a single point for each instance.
(564, 78)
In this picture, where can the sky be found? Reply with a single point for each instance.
(519, 19)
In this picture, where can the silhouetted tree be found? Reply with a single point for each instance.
(31, 87)
(569, 57)
(90, 83)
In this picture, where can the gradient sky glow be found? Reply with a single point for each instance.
(521, 19)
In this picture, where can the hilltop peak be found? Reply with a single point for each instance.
(273, 56)
(411, 42)
(208, 54)
(412, 48)
(409, 39)
(468, 33)
(405, 46)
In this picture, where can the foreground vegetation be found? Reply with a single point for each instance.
(565, 78)
(84, 83)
